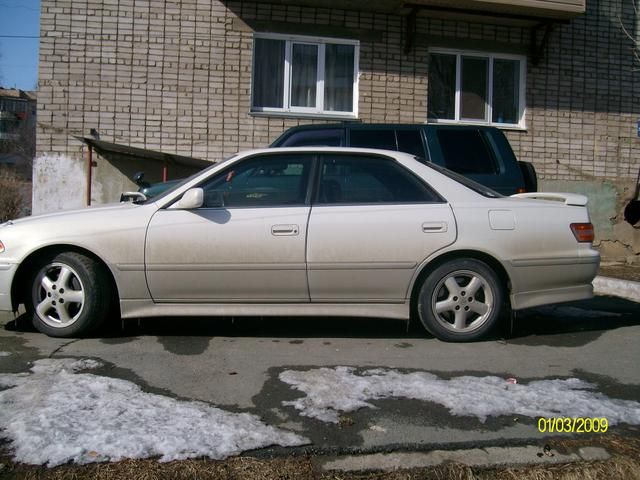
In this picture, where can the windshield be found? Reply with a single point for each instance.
(467, 182)
(173, 188)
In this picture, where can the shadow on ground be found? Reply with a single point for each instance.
(568, 324)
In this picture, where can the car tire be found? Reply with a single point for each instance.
(70, 295)
(460, 300)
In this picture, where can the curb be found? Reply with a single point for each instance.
(617, 288)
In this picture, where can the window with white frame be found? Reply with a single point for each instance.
(471, 87)
(305, 75)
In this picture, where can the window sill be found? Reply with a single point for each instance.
(316, 116)
(513, 128)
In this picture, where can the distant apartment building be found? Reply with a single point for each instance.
(17, 129)
(205, 78)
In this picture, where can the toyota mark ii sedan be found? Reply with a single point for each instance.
(304, 231)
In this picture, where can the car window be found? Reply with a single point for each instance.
(319, 138)
(373, 138)
(356, 179)
(467, 182)
(264, 181)
(410, 141)
(466, 152)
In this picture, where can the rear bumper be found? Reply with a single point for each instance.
(7, 271)
(546, 281)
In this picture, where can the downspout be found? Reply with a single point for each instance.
(89, 172)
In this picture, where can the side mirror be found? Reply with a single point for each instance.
(192, 198)
(132, 197)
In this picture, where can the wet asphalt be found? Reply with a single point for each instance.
(234, 363)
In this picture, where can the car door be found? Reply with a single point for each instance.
(245, 244)
(371, 225)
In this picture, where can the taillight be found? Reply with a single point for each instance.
(1, 247)
(521, 190)
(582, 231)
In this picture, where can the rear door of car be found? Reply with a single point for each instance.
(371, 224)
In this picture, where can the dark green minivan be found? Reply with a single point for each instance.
(480, 153)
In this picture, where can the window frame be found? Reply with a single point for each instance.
(309, 180)
(491, 57)
(318, 110)
(324, 156)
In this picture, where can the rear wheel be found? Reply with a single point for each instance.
(461, 300)
(70, 295)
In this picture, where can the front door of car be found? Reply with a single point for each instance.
(245, 244)
(371, 225)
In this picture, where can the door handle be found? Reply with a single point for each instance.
(434, 227)
(281, 230)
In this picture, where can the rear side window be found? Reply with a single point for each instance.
(316, 138)
(357, 179)
(467, 152)
(374, 138)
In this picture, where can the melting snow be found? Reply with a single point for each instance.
(4, 354)
(54, 415)
(333, 390)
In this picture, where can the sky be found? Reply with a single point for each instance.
(19, 56)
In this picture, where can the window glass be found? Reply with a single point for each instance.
(459, 88)
(273, 180)
(268, 73)
(319, 138)
(362, 179)
(506, 91)
(410, 141)
(373, 138)
(304, 74)
(338, 77)
(473, 97)
(466, 152)
(442, 86)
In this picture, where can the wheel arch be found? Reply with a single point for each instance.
(434, 263)
(25, 270)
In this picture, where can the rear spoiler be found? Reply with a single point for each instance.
(566, 198)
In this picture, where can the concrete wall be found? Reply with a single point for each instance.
(176, 75)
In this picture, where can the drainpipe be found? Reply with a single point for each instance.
(89, 172)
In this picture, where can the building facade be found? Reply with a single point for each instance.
(205, 78)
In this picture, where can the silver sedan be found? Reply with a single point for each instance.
(304, 231)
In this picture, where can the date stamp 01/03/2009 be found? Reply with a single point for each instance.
(572, 425)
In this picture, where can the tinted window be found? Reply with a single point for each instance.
(317, 138)
(375, 138)
(466, 151)
(410, 141)
(362, 179)
(261, 182)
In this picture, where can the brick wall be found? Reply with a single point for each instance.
(176, 76)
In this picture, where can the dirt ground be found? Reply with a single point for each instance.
(623, 464)
(621, 270)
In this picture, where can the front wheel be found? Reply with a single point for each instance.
(70, 295)
(461, 300)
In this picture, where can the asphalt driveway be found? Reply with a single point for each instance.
(238, 365)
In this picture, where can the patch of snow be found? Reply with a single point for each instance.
(341, 389)
(617, 288)
(4, 354)
(59, 413)
(575, 312)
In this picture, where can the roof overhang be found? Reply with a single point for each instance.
(533, 10)
(106, 148)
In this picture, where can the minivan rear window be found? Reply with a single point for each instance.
(467, 182)
(373, 138)
(466, 152)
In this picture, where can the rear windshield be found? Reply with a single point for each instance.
(467, 182)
